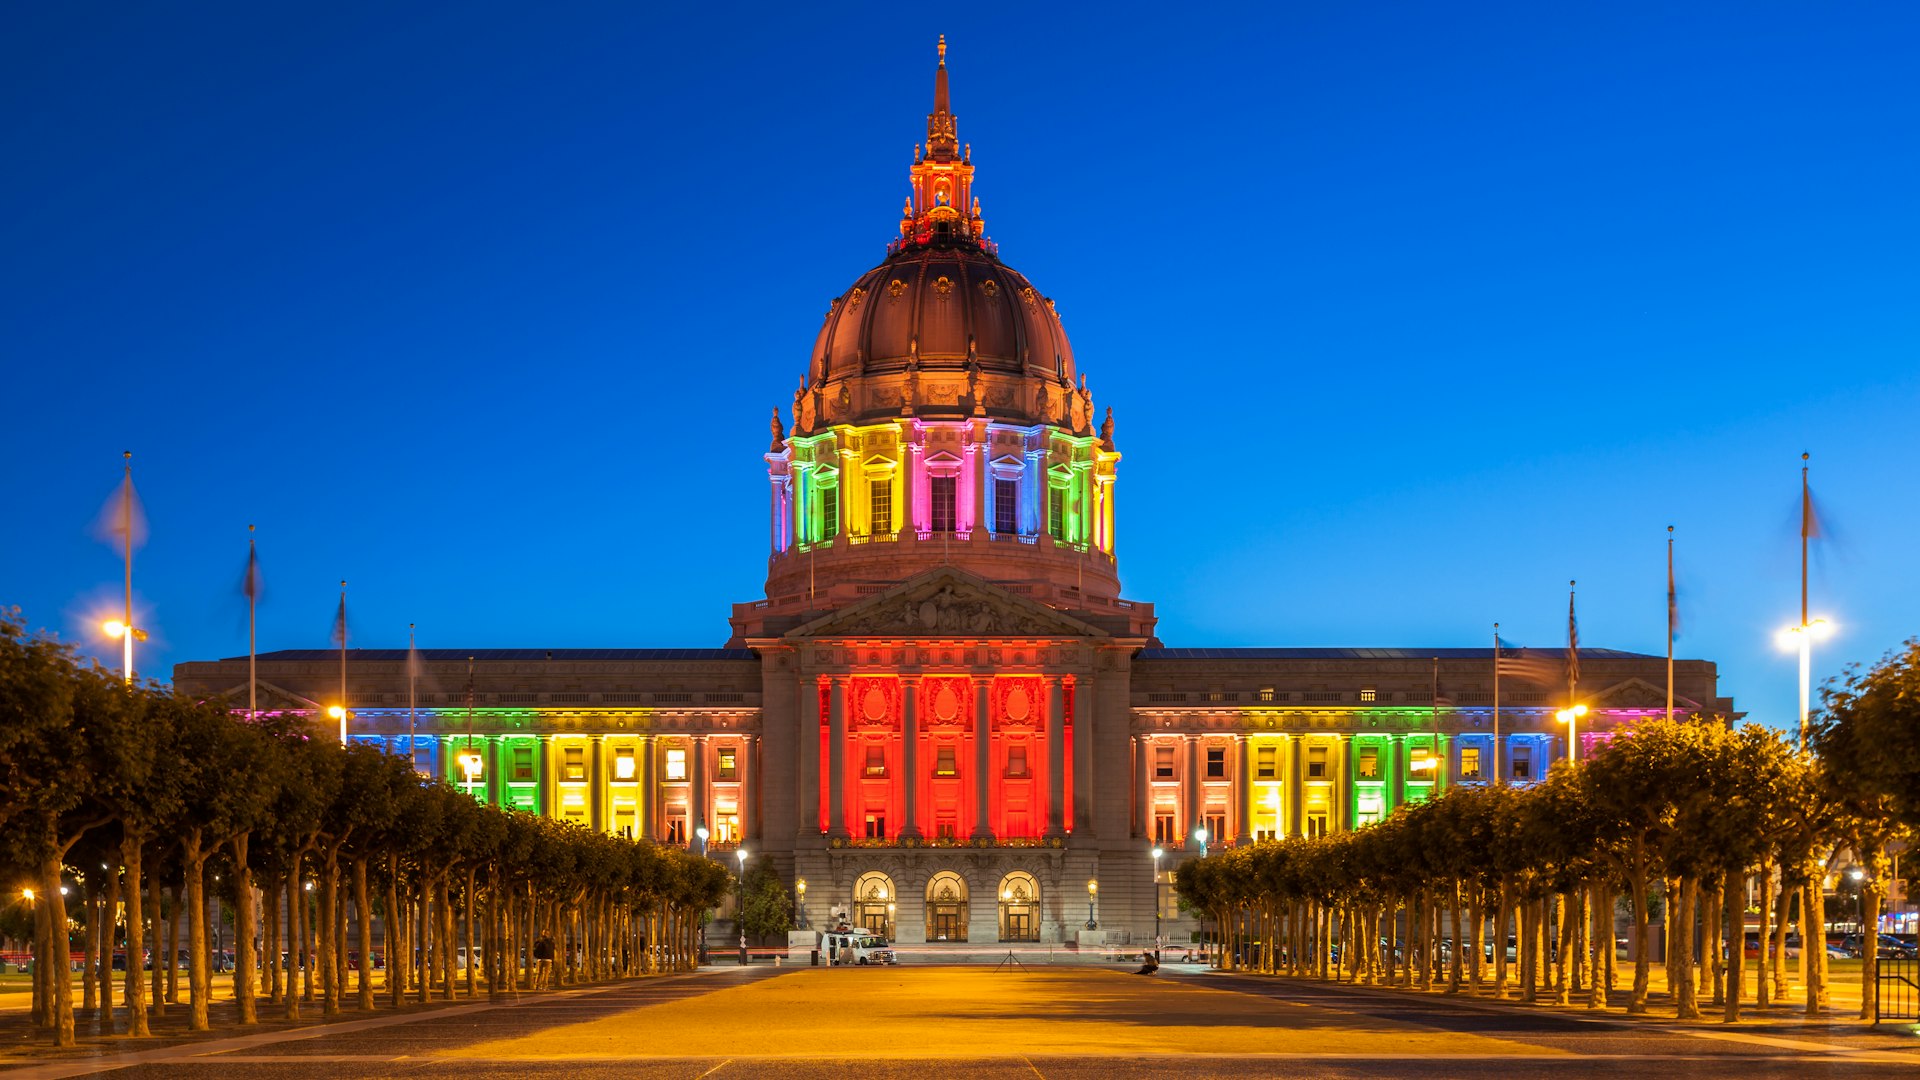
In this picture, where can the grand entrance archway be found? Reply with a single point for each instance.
(1019, 907)
(874, 900)
(947, 907)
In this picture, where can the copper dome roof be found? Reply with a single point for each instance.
(939, 305)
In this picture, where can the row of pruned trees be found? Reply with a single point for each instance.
(1708, 820)
(135, 801)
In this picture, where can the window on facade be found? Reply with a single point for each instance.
(623, 764)
(573, 763)
(1163, 830)
(1369, 763)
(877, 826)
(1367, 693)
(1216, 763)
(1016, 761)
(1057, 512)
(1006, 507)
(829, 512)
(1163, 763)
(1215, 823)
(944, 764)
(676, 764)
(1316, 763)
(1317, 823)
(723, 764)
(523, 763)
(1266, 762)
(946, 828)
(940, 503)
(880, 507)
(876, 760)
(726, 828)
(676, 828)
(1469, 763)
(1266, 693)
(1523, 763)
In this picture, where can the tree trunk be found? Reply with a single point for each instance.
(1642, 948)
(467, 928)
(395, 939)
(296, 940)
(274, 934)
(57, 958)
(243, 930)
(1869, 946)
(136, 1000)
(1732, 888)
(110, 916)
(89, 999)
(156, 895)
(363, 913)
(199, 963)
(1763, 938)
(445, 934)
(1813, 943)
(1687, 999)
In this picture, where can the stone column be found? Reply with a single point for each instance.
(1296, 785)
(1057, 765)
(981, 478)
(1348, 788)
(700, 797)
(543, 772)
(910, 757)
(495, 786)
(1191, 805)
(837, 758)
(1142, 788)
(646, 799)
(1244, 833)
(1399, 771)
(910, 471)
(596, 786)
(1083, 756)
(746, 771)
(982, 761)
(1443, 769)
(808, 721)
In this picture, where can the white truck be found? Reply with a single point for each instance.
(856, 947)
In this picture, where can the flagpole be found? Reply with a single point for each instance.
(413, 671)
(1806, 632)
(1672, 611)
(343, 663)
(127, 537)
(1499, 759)
(1573, 679)
(253, 631)
(1434, 702)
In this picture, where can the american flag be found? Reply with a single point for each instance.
(1513, 662)
(1573, 641)
(340, 619)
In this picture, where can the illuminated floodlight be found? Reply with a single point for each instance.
(336, 712)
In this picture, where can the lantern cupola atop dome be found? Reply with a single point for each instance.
(939, 423)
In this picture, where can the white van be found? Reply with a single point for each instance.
(863, 947)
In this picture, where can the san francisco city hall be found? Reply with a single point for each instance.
(944, 721)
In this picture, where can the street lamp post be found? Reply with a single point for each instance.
(126, 633)
(339, 712)
(1801, 636)
(1093, 891)
(1200, 837)
(740, 908)
(800, 901)
(1157, 852)
(701, 835)
(1571, 718)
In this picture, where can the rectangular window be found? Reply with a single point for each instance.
(676, 764)
(523, 763)
(1266, 762)
(1369, 763)
(676, 828)
(1163, 763)
(723, 767)
(573, 763)
(1317, 824)
(726, 829)
(829, 512)
(1215, 823)
(1216, 763)
(1469, 763)
(1163, 830)
(1057, 513)
(940, 503)
(1016, 761)
(1316, 763)
(945, 828)
(623, 764)
(880, 507)
(1006, 506)
(943, 762)
(876, 760)
(876, 826)
(1523, 763)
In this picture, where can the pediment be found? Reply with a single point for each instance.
(271, 698)
(945, 603)
(1638, 693)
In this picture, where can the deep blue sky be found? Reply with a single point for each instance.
(1408, 313)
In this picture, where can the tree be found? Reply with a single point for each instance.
(768, 909)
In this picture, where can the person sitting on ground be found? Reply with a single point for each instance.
(1148, 965)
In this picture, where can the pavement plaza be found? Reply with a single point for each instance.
(1067, 1021)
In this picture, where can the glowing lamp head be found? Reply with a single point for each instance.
(1794, 636)
(800, 886)
(1200, 835)
(702, 833)
(114, 628)
(27, 895)
(742, 856)
(1858, 874)
(1568, 716)
(336, 712)
(1157, 852)
(1093, 887)
(471, 765)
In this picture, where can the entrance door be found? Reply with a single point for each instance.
(948, 925)
(1020, 925)
(873, 919)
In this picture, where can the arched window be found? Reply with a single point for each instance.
(1019, 907)
(874, 903)
(946, 907)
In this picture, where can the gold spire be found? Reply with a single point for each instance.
(941, 144)
(943, 50)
